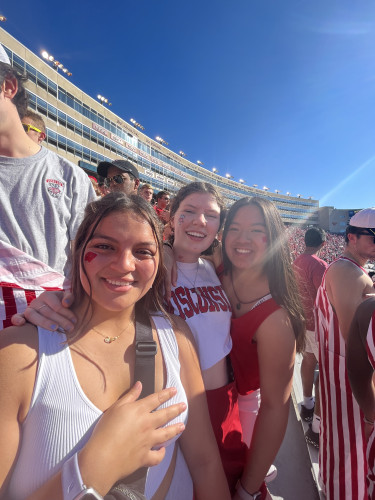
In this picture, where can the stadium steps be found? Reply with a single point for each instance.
(297, 398)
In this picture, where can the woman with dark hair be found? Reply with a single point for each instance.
(197, 215)
(267, 325)
(267, 322)
(64, 421)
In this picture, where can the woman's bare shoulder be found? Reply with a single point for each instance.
(277, 327)
(18, 347)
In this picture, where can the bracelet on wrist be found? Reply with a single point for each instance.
(73, 487)
(245, 495)
(368, 421)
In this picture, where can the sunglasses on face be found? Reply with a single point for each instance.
(31, 127)
(118, 179)
(367, 234)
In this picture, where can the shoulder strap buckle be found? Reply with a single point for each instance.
(146, 348)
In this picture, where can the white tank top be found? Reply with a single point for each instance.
(61, 417)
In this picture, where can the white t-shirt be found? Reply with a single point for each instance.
(200, 300)
(42, 202)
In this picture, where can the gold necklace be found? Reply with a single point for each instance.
(107, 339)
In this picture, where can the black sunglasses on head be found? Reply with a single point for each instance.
(118, 179)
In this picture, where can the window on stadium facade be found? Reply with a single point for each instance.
(73, 147)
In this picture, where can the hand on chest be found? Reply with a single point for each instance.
(105, 372)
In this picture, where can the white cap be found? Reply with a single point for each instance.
(3, 55)
(364, 218)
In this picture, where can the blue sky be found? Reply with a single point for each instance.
(279, 93)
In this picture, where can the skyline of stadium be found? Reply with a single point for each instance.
(86, 132)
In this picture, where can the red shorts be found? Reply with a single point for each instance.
(225, 420)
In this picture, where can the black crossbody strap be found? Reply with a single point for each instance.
(145, 351)
(133, 486)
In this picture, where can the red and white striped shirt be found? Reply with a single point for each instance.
(22, 279)
(342, 460)
(370, 347)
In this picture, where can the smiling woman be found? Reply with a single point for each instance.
(267, 326)
(197, 215)
(80, 382)
(123, 261)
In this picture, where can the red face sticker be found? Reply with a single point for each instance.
(264, 239)
(90, 256)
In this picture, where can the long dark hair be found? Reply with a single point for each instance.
(199, 187)
(278, 264)
(95, 212)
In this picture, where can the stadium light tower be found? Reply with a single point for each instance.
(298, 196)
(103, 100)
(136, 124)
(277, 191)
(3, 19)
(241, 181)
(228, 176)
(200, 163)
(266, 188)
(56, 64)
(215, 170)
(161, 140)
(288, 193)
(181, 153)
(255, 185)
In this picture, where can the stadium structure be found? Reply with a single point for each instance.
(84, 131)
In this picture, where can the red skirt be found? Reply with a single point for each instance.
(225, 420)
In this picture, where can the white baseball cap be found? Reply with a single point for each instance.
(364, 218)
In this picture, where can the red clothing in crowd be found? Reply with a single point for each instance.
(309, 272)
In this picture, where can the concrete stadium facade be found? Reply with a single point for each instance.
(85, 132)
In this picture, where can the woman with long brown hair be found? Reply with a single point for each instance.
(197, 215)
(64, 411)
(267, 328)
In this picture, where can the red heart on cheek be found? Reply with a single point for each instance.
(90, 256)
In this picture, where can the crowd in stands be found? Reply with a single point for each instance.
(333, 248)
